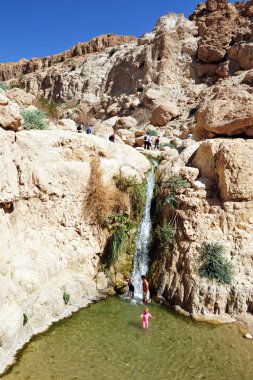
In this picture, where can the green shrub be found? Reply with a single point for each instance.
(120, 237)
(25, 319)
(164, 235)
(152, 132)
(170, 145)
(15, 85)
(136, 191)
(214, 265)
(3, 86)
(138, 198)
(171, 200)
(66, 297)
(124, 183)
(49, 107)
(34, 120)
(177, 182)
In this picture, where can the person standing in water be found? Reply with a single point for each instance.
(145, 317)
(145, 289)
(130, 288)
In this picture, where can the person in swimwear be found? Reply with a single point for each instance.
(145, 289)
(145, 317)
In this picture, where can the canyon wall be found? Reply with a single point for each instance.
(51, 246)
(190, 81)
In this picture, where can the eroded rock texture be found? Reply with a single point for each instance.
(50, 244)
(215, 207)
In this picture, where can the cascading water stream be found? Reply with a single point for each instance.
(141, 256)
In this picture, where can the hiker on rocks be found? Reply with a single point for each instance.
(112, 137)
(80, 128)
(145, 289)
(89, 130)
(145, 317)
(157, 142)
(147, 141)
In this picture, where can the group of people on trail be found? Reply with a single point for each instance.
(148, 141)
(80, 129)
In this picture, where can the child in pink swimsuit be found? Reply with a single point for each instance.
(145, 317)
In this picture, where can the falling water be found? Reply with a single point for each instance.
(141, 257)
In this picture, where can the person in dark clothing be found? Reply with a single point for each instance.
(80, 128)
(146, 142)
(130, 287)
(112, 137)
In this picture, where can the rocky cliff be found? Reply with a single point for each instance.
(52, 245)
(190, 81)
(11, 70)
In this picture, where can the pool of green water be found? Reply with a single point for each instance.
(105, 341)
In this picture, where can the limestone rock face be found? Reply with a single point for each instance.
(215, 206)
(50, 244)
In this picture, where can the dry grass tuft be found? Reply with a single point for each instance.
(102, 201)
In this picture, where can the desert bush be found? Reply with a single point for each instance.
(49, 107)
(138, 198)
(66, 297)
(122, 182)
(97, 204)
(214, 266)
(169, 145)
(152, 132)
(171, 200)
(177, 182)
(136, 191)
(164, 235)
(3, 86)
(15, 85)
(34, 120)
(120, 226)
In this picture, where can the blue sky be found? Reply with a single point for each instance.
(37, 28)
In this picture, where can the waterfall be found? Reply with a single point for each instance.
(141, 256)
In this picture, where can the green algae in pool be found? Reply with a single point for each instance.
(105, 341)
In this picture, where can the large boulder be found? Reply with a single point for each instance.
(10, 117)
(225, 113)
(126, 122)
(67, 125)
(126, 136)
(164, 113)
(234, 167)
(22, 98)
